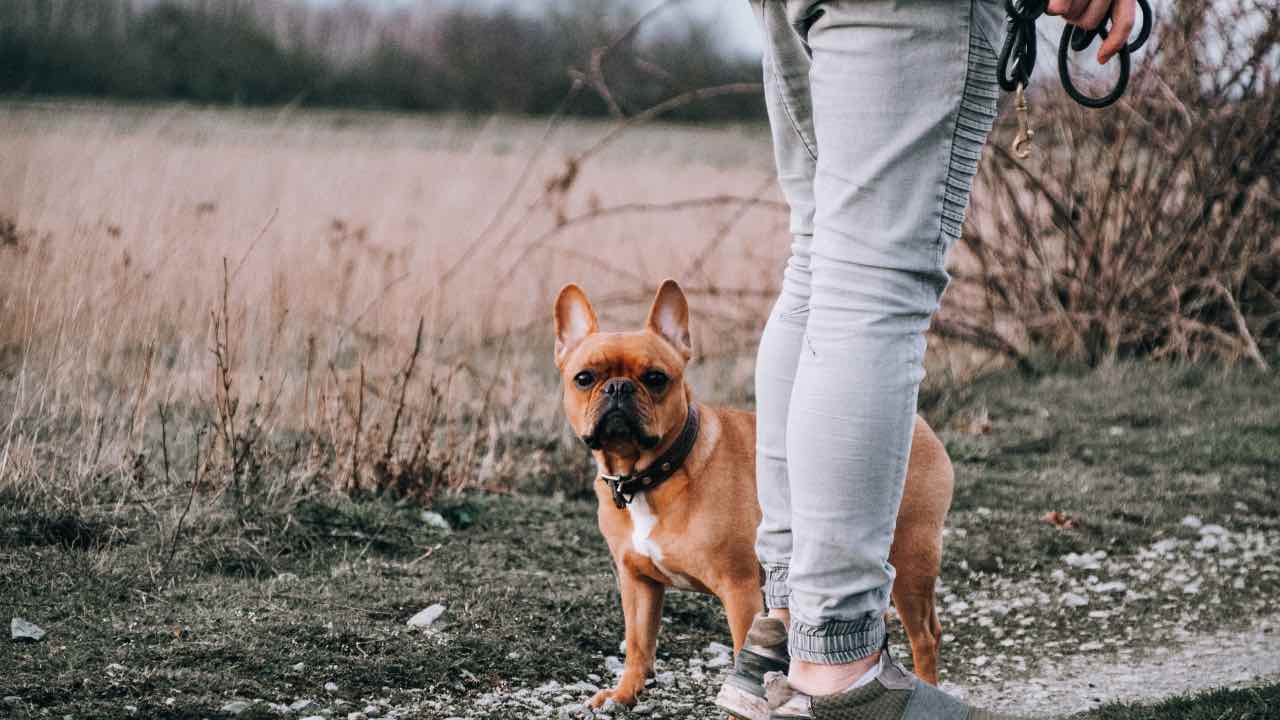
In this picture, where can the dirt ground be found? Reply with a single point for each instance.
(1166, 585)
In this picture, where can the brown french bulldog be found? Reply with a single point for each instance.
(677, 492)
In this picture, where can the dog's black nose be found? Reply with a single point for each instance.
(619, 388)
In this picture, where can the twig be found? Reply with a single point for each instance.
(404, 386)
(355, 443)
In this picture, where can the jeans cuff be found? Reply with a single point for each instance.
(777, 593)
(836, 642)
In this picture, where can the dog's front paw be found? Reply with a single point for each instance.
(620, 695)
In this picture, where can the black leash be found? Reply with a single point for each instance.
(1018, 59)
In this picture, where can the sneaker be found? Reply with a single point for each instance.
(765, 651)
(894, 695)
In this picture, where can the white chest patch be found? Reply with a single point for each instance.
(643, 521)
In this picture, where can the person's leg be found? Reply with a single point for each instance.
(786, 83)
(903, 96)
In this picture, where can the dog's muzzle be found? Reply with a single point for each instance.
(616, 423)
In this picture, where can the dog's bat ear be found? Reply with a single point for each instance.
(575, 319)
(669, 317)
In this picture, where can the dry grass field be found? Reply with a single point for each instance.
(283, 262)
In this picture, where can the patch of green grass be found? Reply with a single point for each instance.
(527, 585)
(1259, 703)
(1127, 450)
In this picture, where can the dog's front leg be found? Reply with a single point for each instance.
(642, 612)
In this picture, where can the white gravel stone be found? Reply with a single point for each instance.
(235, 707)
(427, 616)
(20, 629)
(1071, 599)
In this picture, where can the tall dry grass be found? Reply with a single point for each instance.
(246, 308)
(265, 279)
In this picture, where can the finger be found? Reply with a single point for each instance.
(1094, 13)
(1066, 7)
(1122, 18)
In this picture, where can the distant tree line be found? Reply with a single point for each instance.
(431, 58)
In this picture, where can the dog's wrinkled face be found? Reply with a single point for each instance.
(623, 391)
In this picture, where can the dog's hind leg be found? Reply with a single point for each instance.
(742, 602)
(913, 596)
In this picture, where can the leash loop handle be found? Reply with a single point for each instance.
(1075, 39)
(1018, 54)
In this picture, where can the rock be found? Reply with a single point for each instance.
(1115, 431)
(1192, 522)
(1091, 646)
(427, 616)
(24, 630)
(235, 707)
(315, 717)
(593, 677)
(613, 665)
(571, 710)
(582, 687)
(642, 709)
(1213, 530)
(299, 666)
(331, 687)
(12, 699)
(1191, 588)
(131, 709)
(1115, 586)
(1086, 561)
(436, 520)
(718, 661)
(715, 648)
(666, 679)
(1070, 599)
(357, 716)
(303, 703)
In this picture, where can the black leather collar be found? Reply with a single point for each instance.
(625, 487)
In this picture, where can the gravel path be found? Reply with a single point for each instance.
(1082, 682)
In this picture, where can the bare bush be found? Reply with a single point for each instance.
(1150, 229)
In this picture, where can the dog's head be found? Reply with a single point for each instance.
(624, 391)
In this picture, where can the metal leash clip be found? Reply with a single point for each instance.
(1022, 141)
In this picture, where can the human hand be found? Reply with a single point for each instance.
(1089, 14)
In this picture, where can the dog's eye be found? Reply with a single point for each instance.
(655, 379)
(585, 379)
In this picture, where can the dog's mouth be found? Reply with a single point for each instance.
(617, 425)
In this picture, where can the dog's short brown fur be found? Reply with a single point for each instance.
(697, 530)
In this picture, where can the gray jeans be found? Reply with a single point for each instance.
(879, 111)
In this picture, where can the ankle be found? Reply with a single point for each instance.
(815, 679)
(782, 614)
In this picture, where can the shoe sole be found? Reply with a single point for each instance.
(741, 704)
